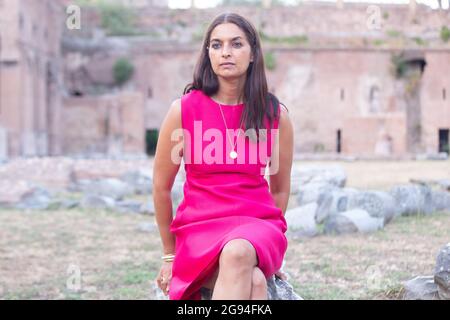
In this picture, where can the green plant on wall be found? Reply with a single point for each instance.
(378, 42)
(123, 70)
(270, 60)
(117, 20)
(394, 33)
(419, 41)
(398, 66)
(445, 33)
(289, 40)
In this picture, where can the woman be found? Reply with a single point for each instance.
(228, 232)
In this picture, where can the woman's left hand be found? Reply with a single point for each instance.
(164, 277)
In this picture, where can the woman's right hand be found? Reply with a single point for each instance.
(164, 277)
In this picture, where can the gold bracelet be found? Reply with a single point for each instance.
(168, 257)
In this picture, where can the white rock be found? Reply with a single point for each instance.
(301, 221)
(356, 220)
(421, 288)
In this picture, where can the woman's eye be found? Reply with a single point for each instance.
(235, 45)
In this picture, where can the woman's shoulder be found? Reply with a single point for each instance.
(192, 94)
(191, 99)
(283, 109)
(176, 104)
(174, 112)
(285, 120)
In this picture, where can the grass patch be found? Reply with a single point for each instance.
(328, 268)
(118, 262)
(389, 292)
(22, 294)
(73, 296)
(138, 276)
(125, 281)
(321, 291)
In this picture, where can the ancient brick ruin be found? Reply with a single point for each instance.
(358, 79)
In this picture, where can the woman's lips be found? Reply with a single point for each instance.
(227, 64)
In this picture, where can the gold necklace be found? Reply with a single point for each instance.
(233, 153)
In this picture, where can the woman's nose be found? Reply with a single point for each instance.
(226, 51)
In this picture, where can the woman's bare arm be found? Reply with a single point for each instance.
(165, 168)
(281, 162)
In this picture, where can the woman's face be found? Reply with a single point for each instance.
(229, 51)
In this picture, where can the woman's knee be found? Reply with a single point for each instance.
(238, 252)
(259, 279)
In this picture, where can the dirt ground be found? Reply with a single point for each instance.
(76, 254)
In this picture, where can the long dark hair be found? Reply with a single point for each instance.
(258, 101)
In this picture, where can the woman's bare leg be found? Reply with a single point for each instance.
(236, 263)
(211, 281)
(259, 285)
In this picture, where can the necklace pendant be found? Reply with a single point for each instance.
(233, 154)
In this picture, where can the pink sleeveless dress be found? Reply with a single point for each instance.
(224, 198)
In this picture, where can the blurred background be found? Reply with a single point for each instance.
(365, 80)
(85, 85)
